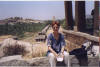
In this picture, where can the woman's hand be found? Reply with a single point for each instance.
(56, 55)
(62, 55)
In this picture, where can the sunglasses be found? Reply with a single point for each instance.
(55, 27)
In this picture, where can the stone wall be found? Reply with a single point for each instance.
(75, 40)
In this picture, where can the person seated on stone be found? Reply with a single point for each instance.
(56, 45)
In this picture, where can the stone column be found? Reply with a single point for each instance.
(80, 20)
(68, 14)
(96, 17)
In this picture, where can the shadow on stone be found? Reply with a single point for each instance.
(62, 64)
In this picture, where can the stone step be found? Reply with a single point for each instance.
(17, 60)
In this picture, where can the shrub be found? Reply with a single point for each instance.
(14, 50)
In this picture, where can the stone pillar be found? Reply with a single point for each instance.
(96, 17)
(68, 14)
(80, 21)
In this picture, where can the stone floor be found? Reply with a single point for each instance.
(43, 62)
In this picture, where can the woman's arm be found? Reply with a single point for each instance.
(49, 48)
(62, 49)
(63, 45)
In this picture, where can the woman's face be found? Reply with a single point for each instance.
(55, 28)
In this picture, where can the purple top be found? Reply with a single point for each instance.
(56, 45)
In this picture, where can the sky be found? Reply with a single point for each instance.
(42, 10)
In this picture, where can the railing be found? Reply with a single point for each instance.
(45, 29)
(84, 35)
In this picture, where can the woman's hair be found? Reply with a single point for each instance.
(55, 22)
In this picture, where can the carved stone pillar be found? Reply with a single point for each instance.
(68, 14)
(96, 17)
(80, 20)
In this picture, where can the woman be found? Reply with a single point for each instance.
(56, 44)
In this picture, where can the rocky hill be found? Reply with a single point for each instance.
(18, 19)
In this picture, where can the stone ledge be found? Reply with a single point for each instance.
(17, 60)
